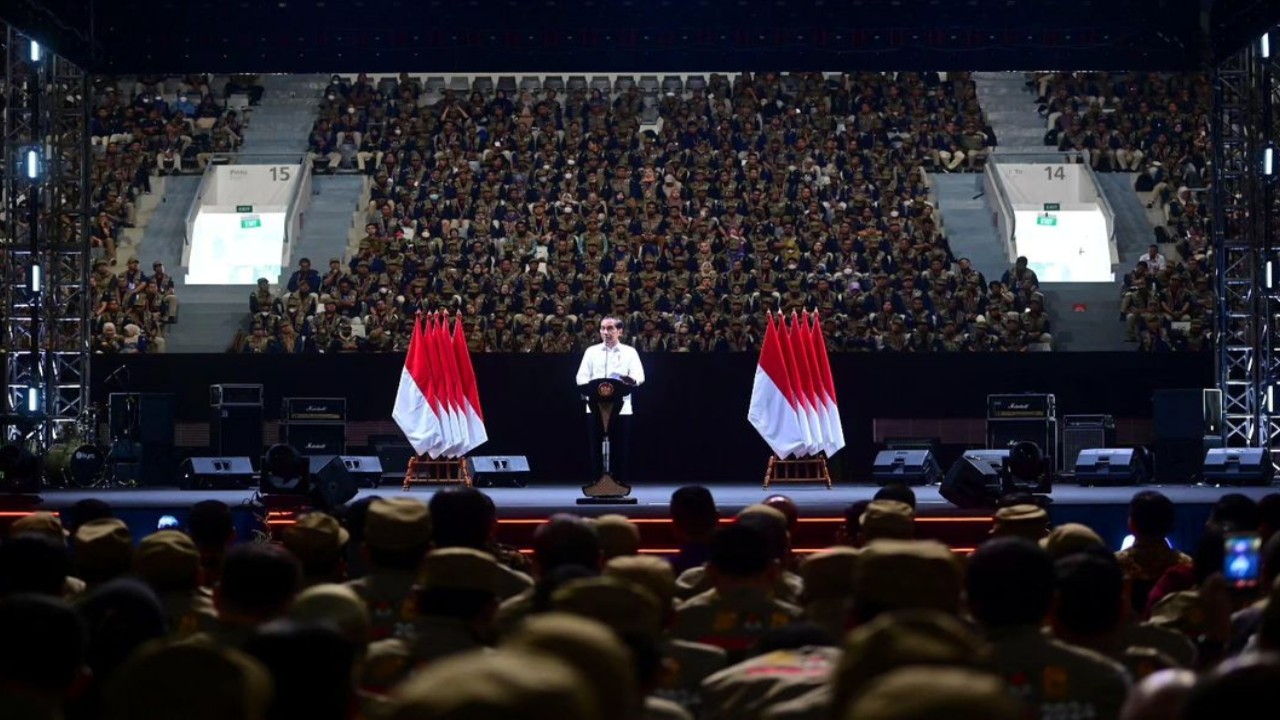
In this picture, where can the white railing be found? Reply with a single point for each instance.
(299, 203)
(1005, 220)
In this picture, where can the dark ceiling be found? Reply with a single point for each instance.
(173, 36)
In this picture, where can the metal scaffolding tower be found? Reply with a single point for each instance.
(44, 243)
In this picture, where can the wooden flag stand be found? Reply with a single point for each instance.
(808, 469)
(445, 471)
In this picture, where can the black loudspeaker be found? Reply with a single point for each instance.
(1085, 431)
(332, 484)
(236, 430)
(1186, 414)
(394, 452)
(912, 467)
(315, 439)
(1110, 466)
(1238, 466)
(142, 417)
(216, 473)
(366, 469)
(972, 483)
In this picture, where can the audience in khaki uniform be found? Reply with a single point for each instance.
(601, 635)
(397, 533)
(774, 521)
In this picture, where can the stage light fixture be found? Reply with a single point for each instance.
(1268, 160)
(36, 278)
(1268, 274)
(1264, 45)
(285, 471)
(33, 165)
(35, 51)
(33, 399)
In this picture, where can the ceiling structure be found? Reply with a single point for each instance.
(175, 36)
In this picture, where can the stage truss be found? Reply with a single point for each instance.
(44, 243)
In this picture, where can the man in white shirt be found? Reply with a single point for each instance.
(611, 359)
(1154, 260)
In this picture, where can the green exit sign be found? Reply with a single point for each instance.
(1047, 220)
(249, 208)
(1052, 207)
(247, 223)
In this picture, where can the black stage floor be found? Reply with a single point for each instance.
(1103, 508)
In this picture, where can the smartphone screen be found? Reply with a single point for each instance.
(1241, 562)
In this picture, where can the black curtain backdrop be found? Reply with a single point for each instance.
(690, 423)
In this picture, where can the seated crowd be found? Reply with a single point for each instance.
(1156, 125)
(140, 127)
(396, 608)
(690, 212)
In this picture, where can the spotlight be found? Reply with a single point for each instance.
(284, 472)
(1268, 160)
(33, 165)
(1264, 45)
(35, 279)
(33, 400)
(35, 51)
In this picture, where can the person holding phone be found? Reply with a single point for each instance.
(613, 359)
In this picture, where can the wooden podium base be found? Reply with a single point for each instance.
(606, 491)
(798, 470)
(425, 471)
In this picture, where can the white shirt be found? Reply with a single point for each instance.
(599, 361)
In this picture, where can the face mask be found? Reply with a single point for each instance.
(433, 197)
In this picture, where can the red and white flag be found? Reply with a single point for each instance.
(827, 388)
(415, 410)
(774, 411)
(803, 386)
(470, 392)
(446, 375)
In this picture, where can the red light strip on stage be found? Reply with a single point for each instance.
(798, 551)
(823, 520)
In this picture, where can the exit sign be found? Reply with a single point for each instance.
(1047, 220)
(1052, 207)
(252, 222)
(249, 208)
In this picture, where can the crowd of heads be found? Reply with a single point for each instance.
(394, 607)
(139, 128)
(1155, 125)
(690, 210)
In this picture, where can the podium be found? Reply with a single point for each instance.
(604, 397)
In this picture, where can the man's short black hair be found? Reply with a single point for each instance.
(693, 510)
(84, 511)
(1009, 581)
(121, 616)
(461, 517)
(565, 540)
(741, 550)
(853, 517)
(897, 491)
(458, 603)
(32, 563)
(210, 524)
(46, 643)
(1237, 688)
(311, 665)
(1090, 591)
(1235, 512)
(1151, 513)
(259, 579)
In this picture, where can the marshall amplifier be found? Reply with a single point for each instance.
(315, 438)
(1021, 407)
(314, 410)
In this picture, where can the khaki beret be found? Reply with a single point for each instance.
(766, 510)
(829, 573)
(1028, 521)
(908, 574)
(102, 544)
(622, 605)
(652, 573)
(39, 523)
(495, 686)
(936, 693)
(591, 648)
(888, 519)
(194, 678)
(618, 536)
(899, 639)
(397, 524)
(460, 568)
(315, 538)
(1070, 538)
(1182, 611)
(336, 604)
(167, 560)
